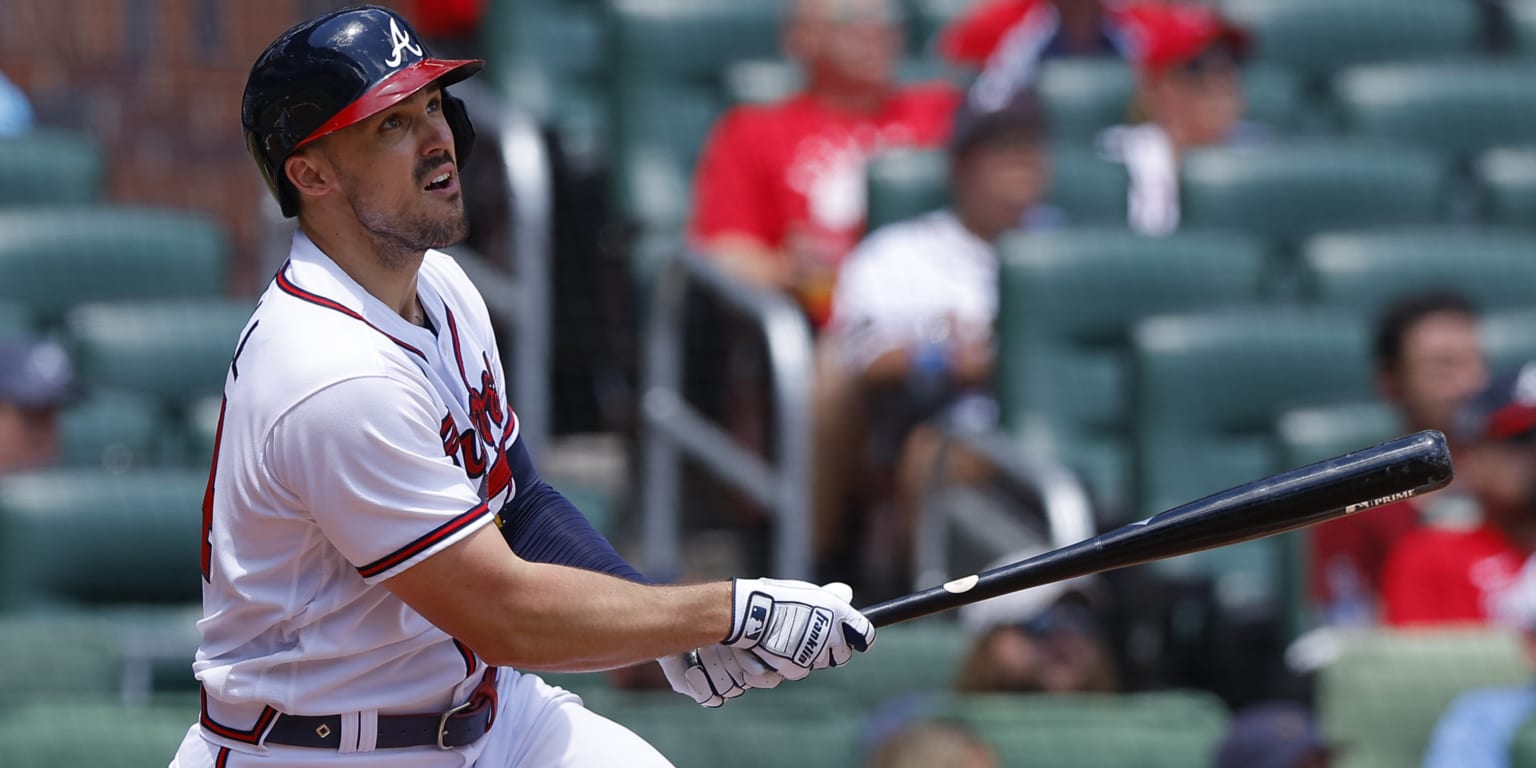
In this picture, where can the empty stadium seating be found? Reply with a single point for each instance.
(1295, 190)
(1068, 304)
(1381, 698)
(1317, 37)
(1507, 181)
(15, 320)
(55, 258)
(50, 168)
(115, 430)
(99, 733)
(173, 350)
(1508, 337)
(1363, 272)
(83, 537)
(1459, 108)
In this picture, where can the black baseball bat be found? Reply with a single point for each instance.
(1393, 471)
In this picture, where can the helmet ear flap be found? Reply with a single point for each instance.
(457, 116)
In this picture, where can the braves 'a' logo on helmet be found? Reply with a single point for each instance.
(401, 42)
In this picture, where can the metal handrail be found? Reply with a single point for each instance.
(1063, 502)
(673, 428)
(523, 298)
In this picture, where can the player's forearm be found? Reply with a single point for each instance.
(570, 620)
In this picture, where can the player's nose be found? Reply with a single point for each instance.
(436, 138)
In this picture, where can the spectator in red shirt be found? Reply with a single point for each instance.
(1439, 576)
(1429, 362)
(779, 192)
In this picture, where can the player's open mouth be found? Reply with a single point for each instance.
(440, 181)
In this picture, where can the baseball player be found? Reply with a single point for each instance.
(360, 606)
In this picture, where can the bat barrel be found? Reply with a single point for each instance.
(1354, 482)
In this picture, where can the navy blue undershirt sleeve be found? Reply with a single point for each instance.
(545, 527)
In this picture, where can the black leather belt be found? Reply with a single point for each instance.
(459, 726)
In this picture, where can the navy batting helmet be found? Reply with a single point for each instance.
(335, 70)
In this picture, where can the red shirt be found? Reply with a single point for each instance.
(797, 167)
(1356, 547)
(1438, 576)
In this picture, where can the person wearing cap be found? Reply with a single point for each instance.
(35, 379)
(1188, 93)
(911, 330)
(1447, 576)
(1275, 734)
(1479, 727)
(1044, 639)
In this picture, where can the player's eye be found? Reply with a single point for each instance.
(435, 105)
(391, 123)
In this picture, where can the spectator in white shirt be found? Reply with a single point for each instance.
(911, 328)
(1189, 92)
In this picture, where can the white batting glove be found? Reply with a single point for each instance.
(796, 626)
(715, 673)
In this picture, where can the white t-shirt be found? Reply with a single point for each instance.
(1153, 168)
(919, 280)
(352, 445)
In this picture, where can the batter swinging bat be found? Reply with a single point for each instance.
(1405, 467)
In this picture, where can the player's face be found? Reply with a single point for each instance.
(398, 172)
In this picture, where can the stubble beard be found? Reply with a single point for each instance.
(401, 236)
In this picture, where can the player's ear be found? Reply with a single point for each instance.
(309, 173)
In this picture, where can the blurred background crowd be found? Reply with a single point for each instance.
(879, 291)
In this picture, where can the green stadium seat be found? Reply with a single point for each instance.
(175, 351)
(1292, 191)
(1317, 37)
(564, 39)
(1082, 97)
(113, 430)
(50, 168)
(106, 734)
(1165, 729)
(807, 729)
(1274, 98)
(56, 258)
(1365, 272)
(904, 183)
(1522, 17)
(1522, 751)
(90, 537)
(1069, 301)
(1508, 337)
(1087, 188)
(922, 657)
(15, 320)
(1381, 698)
(1507, 180)
(1209, 387)
(926, 18)
(1455, 107)
(666, 62)
(132, 654)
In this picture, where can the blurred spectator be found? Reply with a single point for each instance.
(1045, 639)
(1451, 576)
(1277, 734)
(35, 379)
(1189, 94)
(911, 336)
(1478, 728)
(779, 192)
(936, 744)
(1007, 39)
(15, 110)
(1428, 363)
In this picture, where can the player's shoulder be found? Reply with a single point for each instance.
(301, 345)
(444, 275)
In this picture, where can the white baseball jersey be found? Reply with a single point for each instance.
(914, 281)
(352, 445)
